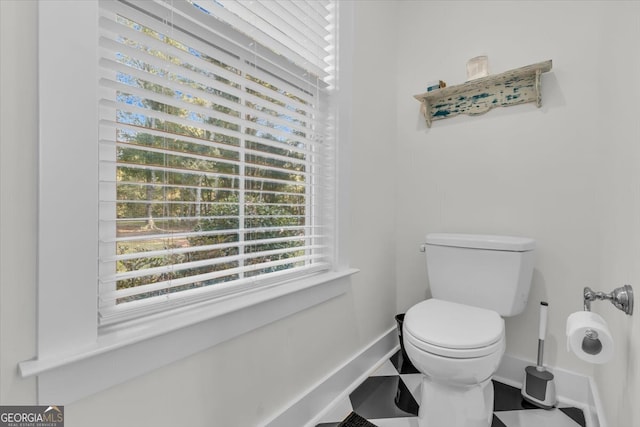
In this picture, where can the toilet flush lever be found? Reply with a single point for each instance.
(423, 247)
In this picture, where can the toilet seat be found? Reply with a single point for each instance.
(454, 330)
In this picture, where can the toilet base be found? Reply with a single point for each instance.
(447, 405)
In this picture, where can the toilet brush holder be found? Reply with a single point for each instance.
(538, 386)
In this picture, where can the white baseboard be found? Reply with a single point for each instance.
(573, 389)
(306, 408)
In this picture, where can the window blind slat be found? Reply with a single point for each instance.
(205, 217)
(212, 34)
(169, 101)
(139, 113)
(291, 12)
(300, 12)
(189, 66)
(257, 42)
(182, 250)
(265, 135)
(168, 41)
(194, 264)
(190, 219)
(161, 236)
(190, 71)
(275, 114)
(110, 313)
(246, 21)
(299, 28)
(168, 153)
(212, 96)
(171, 284)
(225, 80)
(151, 43)
(205, 188)
(320, 9)
(183, 171)
(283, 131)
(108, 127)
(278, 103)
(220, 161)
(283, 37)
(214, 175)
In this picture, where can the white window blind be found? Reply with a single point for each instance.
(216, 149)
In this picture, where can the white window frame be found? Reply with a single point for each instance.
(75, 358)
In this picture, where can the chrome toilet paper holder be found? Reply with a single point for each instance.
(621, 297)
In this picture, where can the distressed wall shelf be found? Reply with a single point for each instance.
(478, 96)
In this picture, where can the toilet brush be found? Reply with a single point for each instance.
(538, 387)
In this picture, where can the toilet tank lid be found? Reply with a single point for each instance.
(482, 241)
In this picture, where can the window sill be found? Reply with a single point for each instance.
(142, 346)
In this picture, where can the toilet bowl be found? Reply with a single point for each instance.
(457, 348)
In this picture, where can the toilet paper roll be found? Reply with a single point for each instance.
(588, 336)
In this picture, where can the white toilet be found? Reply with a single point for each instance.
(456, 339)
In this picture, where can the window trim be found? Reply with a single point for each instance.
(74, 360)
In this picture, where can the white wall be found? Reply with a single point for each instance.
(372, 226)
(246, 380)
(619, 380)
(565, 174)
(18, 160)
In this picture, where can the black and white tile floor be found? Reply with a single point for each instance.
(398, 381)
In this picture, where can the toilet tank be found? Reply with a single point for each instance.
(492, 272)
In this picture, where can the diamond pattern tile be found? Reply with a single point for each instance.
(390, 396)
